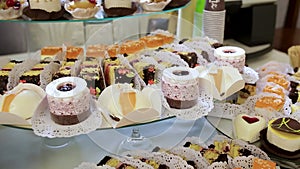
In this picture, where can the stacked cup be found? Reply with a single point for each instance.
(214, 19)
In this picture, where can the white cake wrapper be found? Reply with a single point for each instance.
(202, 108)
(274, 66)
(19, 69)
(190, 155)
(87, 165)
(173, 161)
(255, 151)
(47, 73)
(11, 13)
(81, 13)
(202, 44)
(152, 6)
(229, 110)
(169, 57)
(44, 126)
(250, 75)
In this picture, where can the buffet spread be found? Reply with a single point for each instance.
(74, 90)
(151, 78)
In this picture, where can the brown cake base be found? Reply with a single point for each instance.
(117, 12)
(176, 3)
(70, 119)
(178, 104)
(37, 14)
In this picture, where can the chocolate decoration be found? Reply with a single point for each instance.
(215, 5)
(287, 124)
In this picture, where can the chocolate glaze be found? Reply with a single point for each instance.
(287, 124)
(37, 14)
(116, 12)
(176, 3)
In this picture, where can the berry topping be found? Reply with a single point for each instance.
(10, 3)
(17, 5)
(66, 87)
(250, 120)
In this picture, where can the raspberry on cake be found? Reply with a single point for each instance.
(11, 9)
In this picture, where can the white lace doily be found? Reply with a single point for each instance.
(44, 126)
(229, 111)
(202, 108)
(190, 155)
(86, 165)
(255, 151)
(250, 75)
(172, 161)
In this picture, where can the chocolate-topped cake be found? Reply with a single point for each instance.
(117, 8)
(284, 133)
(44, 10)
(176, 3)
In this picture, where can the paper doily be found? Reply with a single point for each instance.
(86, 165)
(250, 75)
(172, 161)
(44, 126)
(204, 106)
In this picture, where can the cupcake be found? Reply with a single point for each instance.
(82, 9)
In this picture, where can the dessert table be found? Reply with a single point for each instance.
(21, 148)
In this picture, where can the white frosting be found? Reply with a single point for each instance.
(169, 74)
(117, 4)
(230, 52)
(248, 131)
(46, 5)
(286, 141)
(52, 88)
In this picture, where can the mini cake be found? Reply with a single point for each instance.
(96, 51)
(115, 8)
(69, 100)
(49, 52)
(3, 81)
(73, 53)
(263, 164)
(284, 133)
(189, 57)
(121, 74)
(269, 103)
(180, 87)
(248, 127)
(232, 55)
(146, 72)
(247, 91)
(273, 89)
(131, 47)
(92, 74)
(64, 70)
(152, 41)
(31, 76)
(280, 80)
(44, 10)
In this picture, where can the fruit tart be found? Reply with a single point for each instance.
(82, 9)
(11, 9)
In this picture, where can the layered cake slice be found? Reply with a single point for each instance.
(91, 72)
(73, 53)
(64, 70)
(49, 52)
(146, 72)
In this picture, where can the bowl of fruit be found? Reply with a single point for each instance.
(82, 9)
(11, 9)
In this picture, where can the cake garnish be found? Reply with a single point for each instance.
(66, 87)
(250, 120)
(287, 124)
